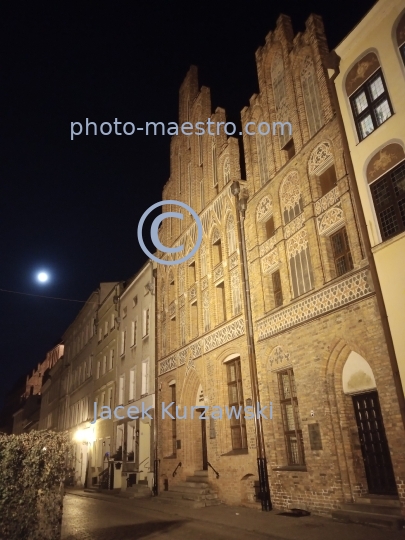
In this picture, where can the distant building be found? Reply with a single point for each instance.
(26, 418)
(105, 379)
(78, 382)
(134, 437)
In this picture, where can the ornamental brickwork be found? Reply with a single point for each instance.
(315, 315)
(327, 321)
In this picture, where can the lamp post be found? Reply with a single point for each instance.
(241, 206)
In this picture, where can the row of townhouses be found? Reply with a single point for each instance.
(294, 298)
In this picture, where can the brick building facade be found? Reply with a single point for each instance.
(321, 353)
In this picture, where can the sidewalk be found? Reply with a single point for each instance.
(246, 519)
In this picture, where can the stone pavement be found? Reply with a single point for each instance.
(173, 520)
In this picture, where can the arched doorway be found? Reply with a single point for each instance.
(358, 382)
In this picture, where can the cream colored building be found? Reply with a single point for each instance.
(371, 94)
(77, 384)
(104, 379)
(136, 379)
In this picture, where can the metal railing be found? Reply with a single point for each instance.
(175, 470)
(216, 472)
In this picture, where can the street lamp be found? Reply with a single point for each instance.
(241, 197)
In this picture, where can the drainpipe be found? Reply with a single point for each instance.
(155, 489)
(335, 61)
(241, 205)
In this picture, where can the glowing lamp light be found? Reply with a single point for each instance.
(85, 436)
(43, 277)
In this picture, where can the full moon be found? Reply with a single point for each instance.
(43, 277)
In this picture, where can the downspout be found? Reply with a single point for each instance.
(335, 61)
(155, 489)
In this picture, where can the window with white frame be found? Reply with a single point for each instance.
(146, 322)
(111, 359)
(371, 105)
(123, 341)
(145, 377)
(121, 389)
(132, 384)
(134, 328)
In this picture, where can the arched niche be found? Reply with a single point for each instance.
(357, 375)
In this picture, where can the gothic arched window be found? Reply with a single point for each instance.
(312, 98)
(280, 96)
(291, 199)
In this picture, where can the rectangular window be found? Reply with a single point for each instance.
(221, 306)
(328, 180)
(389, 201)
(110, 396)
(145, 377)
(105, 328)
(235, 398)
(146, 322)
(100, 334)
(269, 227)
(121, 390)
(341, 252)
(98, 369)
(112, 322)
(123, 341)
(134, 329)
(104, 364)
(111, 359)
(291, 419)
(371, 105)
(290, 149)
(134, 301)
(191, 274)
(277, 291)
(124, 312)
(132, 383)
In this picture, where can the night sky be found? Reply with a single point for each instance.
(72, 207)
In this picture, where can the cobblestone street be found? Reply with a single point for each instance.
(112, 518)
